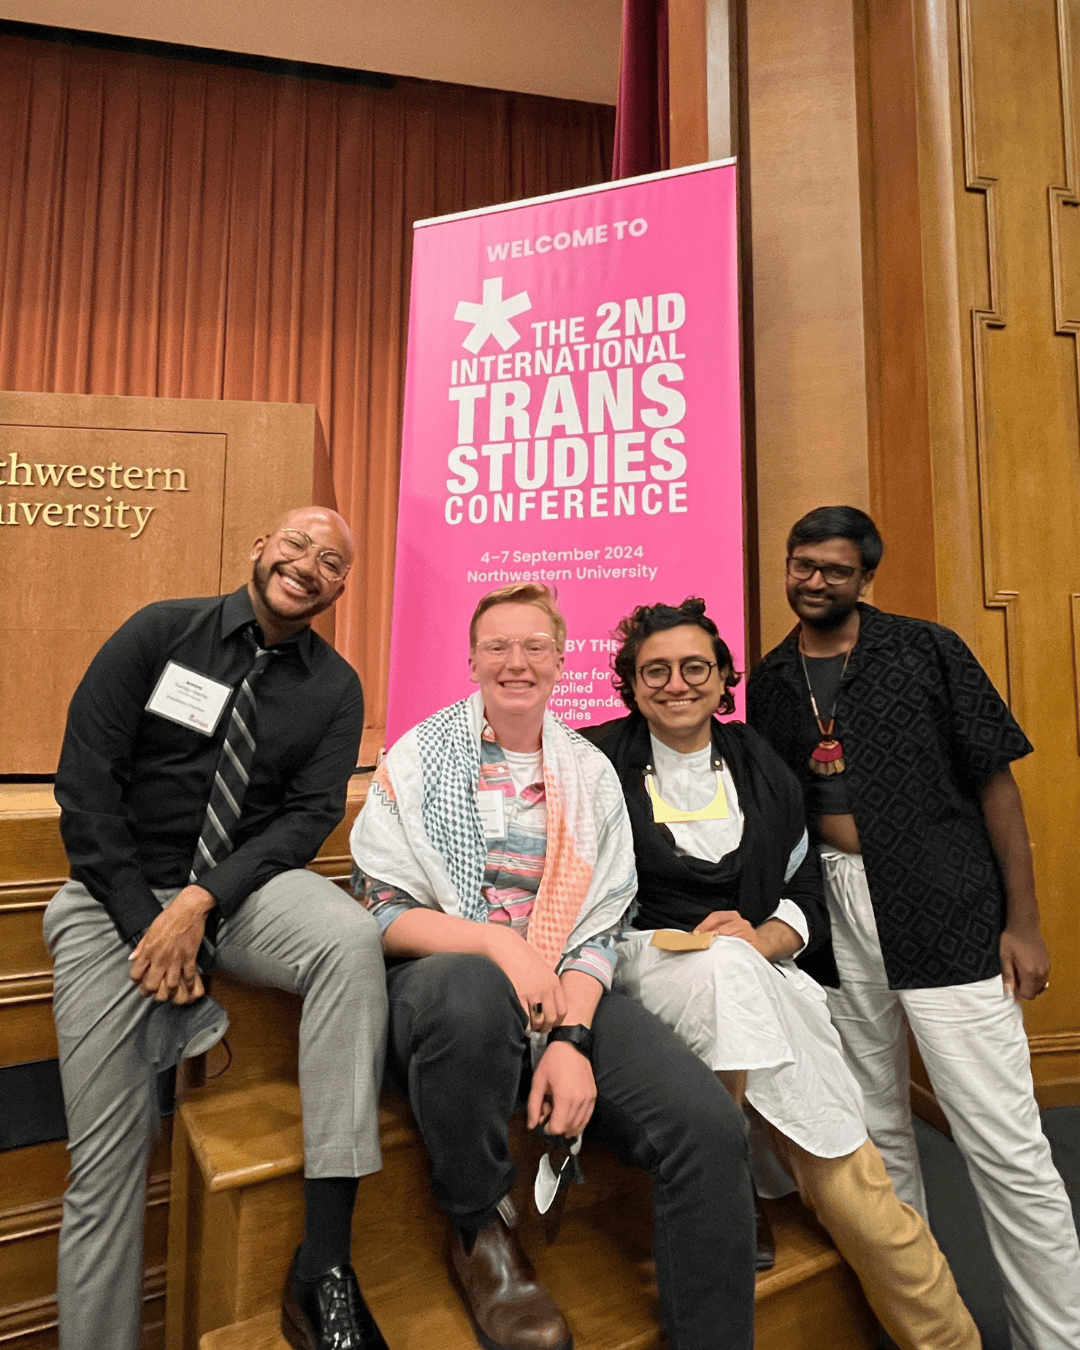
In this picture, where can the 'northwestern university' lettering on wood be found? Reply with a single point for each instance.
(39, 489)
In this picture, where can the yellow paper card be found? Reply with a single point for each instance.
(675, 940)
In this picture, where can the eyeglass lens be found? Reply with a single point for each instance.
(294, 544)
(833, 573)
(693, 670)
(536, 645)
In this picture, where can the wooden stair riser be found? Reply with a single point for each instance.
(827, 1310)
(251, 1231)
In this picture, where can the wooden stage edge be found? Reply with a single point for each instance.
(32, 858)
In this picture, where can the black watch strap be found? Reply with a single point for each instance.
(580, 1037)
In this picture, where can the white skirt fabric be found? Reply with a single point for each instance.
(736, 1010)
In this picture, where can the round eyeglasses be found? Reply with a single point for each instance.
(694, 670)
(535, 647)
(296, 544)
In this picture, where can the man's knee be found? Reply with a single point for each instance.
(685, 1121)
(465, 1000)
(709, 1122)
(337, 928)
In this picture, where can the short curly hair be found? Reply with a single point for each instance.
(648, 619)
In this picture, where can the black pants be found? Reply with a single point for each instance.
(457, 1044)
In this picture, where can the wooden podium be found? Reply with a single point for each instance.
(198, 481)
(109, 503)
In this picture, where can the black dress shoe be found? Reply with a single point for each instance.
(765, 1255)
(327, 1313)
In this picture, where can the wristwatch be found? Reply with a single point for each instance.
(579, 1036)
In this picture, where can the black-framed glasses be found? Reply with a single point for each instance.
(695, 670)
(297, 544)
(833, 574)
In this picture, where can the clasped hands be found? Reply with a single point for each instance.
(163, 962)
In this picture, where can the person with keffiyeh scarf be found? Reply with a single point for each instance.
(495, 852)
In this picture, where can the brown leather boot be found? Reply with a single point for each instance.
(496, 1280)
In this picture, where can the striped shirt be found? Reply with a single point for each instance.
(515, 866)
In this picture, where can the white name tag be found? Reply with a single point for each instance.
(185, 696)
(492, 806)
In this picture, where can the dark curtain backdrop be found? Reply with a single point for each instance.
(171, 229)
(641, 119)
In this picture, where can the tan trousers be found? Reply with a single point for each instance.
(904, 1276)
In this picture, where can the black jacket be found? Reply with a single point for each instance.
(678, 892)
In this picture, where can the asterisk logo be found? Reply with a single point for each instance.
(491, 317)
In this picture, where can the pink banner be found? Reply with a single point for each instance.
(571, 417)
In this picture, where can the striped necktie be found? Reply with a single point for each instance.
(232, 772)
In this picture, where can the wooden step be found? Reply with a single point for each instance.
(600, 1274)
(237, 1217)
(237, 1202)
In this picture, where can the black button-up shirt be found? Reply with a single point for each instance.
(133, 786)
(923, 730)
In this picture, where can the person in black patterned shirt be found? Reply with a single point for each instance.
(903, 747)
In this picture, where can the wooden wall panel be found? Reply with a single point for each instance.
(1017, 264)
(898, 413)
(807, 309)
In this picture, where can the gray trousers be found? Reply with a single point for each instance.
(298, 932)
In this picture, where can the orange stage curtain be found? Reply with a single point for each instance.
(181, 230)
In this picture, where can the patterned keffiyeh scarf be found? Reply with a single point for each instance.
(420, 829)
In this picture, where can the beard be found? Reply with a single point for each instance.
(261, 573)
(826, 617)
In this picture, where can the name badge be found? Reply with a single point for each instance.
(492, 806)
(185, 696)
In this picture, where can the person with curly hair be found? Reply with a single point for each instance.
(495, 854)
(728, 894)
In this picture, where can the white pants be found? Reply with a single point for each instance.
(972, 1041)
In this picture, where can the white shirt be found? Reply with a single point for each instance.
(688, 782)
(735, 1009)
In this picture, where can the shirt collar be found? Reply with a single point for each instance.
(237, 613)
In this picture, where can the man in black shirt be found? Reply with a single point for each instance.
(903, 747)
(207, 755)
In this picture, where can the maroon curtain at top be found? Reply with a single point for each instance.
(641, 117)
(178, 230)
